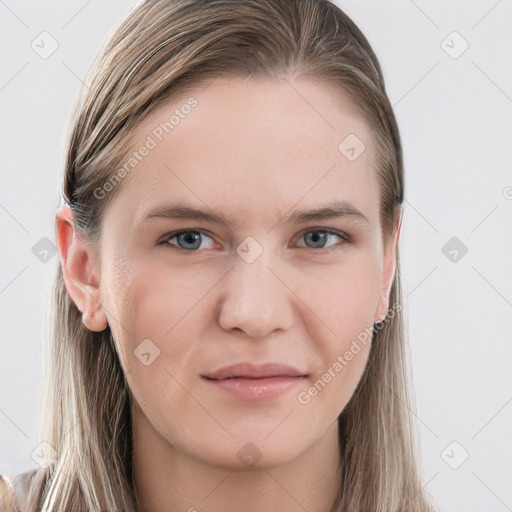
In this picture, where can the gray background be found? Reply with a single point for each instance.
(455, 115)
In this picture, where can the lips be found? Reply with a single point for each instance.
(250, 383)
(250, 371)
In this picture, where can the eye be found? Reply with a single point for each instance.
(191, 240)
(319, 237)
(188, 240)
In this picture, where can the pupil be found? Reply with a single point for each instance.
(318, 237)
(191, 238)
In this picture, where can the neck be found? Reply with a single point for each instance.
(168, 480)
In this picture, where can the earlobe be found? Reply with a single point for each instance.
(79, 271)
(93, 316)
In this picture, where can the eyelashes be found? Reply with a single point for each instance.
(326, 234)
(194, 237)
(186, 236)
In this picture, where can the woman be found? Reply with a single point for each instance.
(227, 330)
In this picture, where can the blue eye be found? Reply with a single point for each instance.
(319, 238)
(191, 240)
(186, 239)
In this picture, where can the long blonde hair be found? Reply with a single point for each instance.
(163, 48)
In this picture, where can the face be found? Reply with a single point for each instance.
(226, 322)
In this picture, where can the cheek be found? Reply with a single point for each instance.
(149, 296)
(153, 336)
(163, 305)
(343, 296)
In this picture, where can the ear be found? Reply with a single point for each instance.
(389, 272)
(79, 271)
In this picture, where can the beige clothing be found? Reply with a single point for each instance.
(13, 492)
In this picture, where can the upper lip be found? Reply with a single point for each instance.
(250, 371)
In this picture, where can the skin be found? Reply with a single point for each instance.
(255, 150)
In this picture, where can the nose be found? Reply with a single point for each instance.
(254, 298)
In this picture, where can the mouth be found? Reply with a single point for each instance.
(250, 371)
(252, 383)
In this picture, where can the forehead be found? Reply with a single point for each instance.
(245, 146)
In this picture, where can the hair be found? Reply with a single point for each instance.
(163, 49)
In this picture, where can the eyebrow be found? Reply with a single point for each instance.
(332, 210)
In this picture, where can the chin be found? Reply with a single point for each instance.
(244, 454)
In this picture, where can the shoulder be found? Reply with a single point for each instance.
(7, 494)
(13, 492)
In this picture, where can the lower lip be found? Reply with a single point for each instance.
(257, 389)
